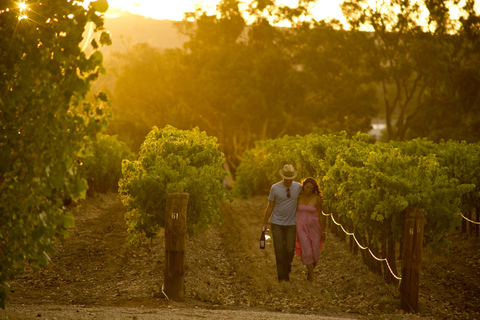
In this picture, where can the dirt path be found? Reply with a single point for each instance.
(96, 275)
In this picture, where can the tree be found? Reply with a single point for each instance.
(233, 90)
(147, 93)
(45, 124)
(267, 84)
(452, 107)
(415, 60)
(340, 94)
(242, 83)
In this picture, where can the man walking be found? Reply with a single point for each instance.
(282, 207)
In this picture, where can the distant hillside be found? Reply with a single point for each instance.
(127, 29)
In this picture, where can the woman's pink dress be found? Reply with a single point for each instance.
(309, 231)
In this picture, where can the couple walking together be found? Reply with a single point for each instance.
(295, 212)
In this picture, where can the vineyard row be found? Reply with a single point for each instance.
(369, 186)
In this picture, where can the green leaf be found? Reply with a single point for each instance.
(96, 58)
(105, 38)
(80, 189)
(94, 44)
(68, 220)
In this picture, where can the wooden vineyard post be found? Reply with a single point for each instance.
(175, 235)
(412, 258)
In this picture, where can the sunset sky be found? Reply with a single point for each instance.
(173, 10)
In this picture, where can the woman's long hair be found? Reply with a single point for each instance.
(316, 188)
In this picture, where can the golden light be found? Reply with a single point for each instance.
(22, 6)
(173, 10)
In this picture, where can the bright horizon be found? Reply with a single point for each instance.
(173, 10)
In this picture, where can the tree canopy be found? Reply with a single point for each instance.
(427, 64)
(244, 76)
(243, 82)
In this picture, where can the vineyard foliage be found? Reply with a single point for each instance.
(369, 185)
(173, 160)
(45, 124)
(103, 167)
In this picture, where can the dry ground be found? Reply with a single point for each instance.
(95, 274)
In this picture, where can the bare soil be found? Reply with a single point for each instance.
(95, 274)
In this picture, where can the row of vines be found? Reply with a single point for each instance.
(368, 186)
(173, 161)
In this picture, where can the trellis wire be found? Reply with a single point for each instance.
(373, 255)
(166, 297)
(471, 221)
(362, 247)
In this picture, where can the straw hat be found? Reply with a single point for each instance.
(288, 172)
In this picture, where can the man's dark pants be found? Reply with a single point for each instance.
(284, 244)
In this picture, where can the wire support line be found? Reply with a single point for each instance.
(166, 297)
(471, 221)
(362, 247)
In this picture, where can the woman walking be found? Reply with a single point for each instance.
(310, 225)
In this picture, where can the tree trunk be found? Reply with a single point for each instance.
(391, 253)
(334, 225)
(365, 253)
(477, 227)
(374, 265)
(353, 243)
(469, 225)
(377, 264)
(341, 234)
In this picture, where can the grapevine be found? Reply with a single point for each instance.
(369, 185)
(173, 160)
(45, 124)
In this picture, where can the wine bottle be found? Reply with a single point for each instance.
(262, 239)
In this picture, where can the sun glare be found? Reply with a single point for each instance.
(162, 10)
(22, 6)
